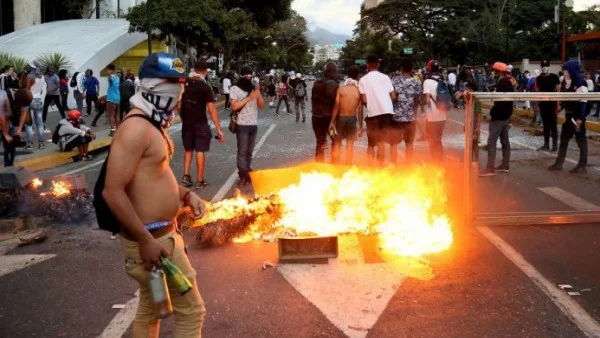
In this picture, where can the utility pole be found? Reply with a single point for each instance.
(148, 27)
(97, 9)
(506, 50)
(118, 9)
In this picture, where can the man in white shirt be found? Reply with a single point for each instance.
(226, 89)
(79, 88)
(378, 94)
(436, 115)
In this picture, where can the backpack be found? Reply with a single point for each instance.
(443, 99)
(56, 135)
(106, 219)
(73, 83)
(191, 98)
(300, 91)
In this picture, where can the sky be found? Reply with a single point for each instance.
(340, 16)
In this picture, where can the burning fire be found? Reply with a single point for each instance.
(36, 183)
(406, 210)
(60, 189)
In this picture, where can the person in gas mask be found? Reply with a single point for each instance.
(575, 115)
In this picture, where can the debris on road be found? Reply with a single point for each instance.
(585, 290)
(267, 265)
(24, 241)
(118, 306)
(571, 293)
(565, 286)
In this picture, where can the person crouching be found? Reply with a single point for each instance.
(75, 135)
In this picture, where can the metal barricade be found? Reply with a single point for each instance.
(471, 167)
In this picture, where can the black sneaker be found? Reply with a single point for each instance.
(304, 120)
(545, 147)
(555, 167)
(186, 181)
(487, 172)
(578, 170)
(201, 184)
(504, 168)
(243, 182)
(554, 149)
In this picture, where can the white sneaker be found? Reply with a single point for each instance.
(113, 237)
(47, 131)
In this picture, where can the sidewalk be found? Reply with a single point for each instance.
(592, 123)
(41, 159)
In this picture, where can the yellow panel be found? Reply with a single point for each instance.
(133, 58)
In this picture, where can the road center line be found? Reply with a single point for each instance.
(526, 146)
(565, 303)
(569, 199)
(229, 183)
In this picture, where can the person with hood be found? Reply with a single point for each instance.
(197, 98)
(575, 115)
(73, 134)
(246, 99)
(548, 83)
(499, 124)
(324, 93)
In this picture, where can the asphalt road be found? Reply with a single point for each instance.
(472, 290)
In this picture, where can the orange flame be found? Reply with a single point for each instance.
(36, 183)
(60, 189)
(405, 209)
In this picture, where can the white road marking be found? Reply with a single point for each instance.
(122, 320)
(565, 303)
(12, 263)
(528, 146)
(120, 323)
(362, 291)
(569, 199)
(231, 180)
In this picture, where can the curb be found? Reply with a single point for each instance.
(57, 158)
(590, 125)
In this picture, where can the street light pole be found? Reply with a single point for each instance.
(118, 9)
(148, 27)
(97, 9)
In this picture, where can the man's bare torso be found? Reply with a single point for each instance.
(349, 100)
(153, 191)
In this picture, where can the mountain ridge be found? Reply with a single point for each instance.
(321, 36)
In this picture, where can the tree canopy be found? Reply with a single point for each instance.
(472, 31)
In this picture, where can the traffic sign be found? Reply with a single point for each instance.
(360, 61)
(408, 50)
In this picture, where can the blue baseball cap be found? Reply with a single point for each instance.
(162, 66)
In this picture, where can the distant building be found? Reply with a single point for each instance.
(328, 52)
(368, 4)
(19, 14)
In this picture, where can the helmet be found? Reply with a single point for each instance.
(299, 76)
(162, 66)
(74, 115)
(433, 66)
(500, 66)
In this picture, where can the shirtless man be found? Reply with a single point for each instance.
(142, 192)
(343, 117)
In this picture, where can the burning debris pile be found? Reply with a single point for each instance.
(61, 200)
(406, 210)
(232, 219)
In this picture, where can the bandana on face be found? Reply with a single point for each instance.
(158, 99)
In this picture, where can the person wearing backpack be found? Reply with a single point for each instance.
(499, 124)
(299, 89)
(197, 98)
(438, 101)
(137, 194)
(78, 88)
(282, 92)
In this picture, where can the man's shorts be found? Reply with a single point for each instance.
(402, 131)
(345, 126)
(377, 129)
(76, 142)
(196, 137)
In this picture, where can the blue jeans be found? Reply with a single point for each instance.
(36, 115)
(79, 99)
(498, 129)
(246, 139)
(9, 148)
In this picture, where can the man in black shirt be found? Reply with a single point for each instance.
(324, 92)
(195, 131)
(548, 83)
(499, 124)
